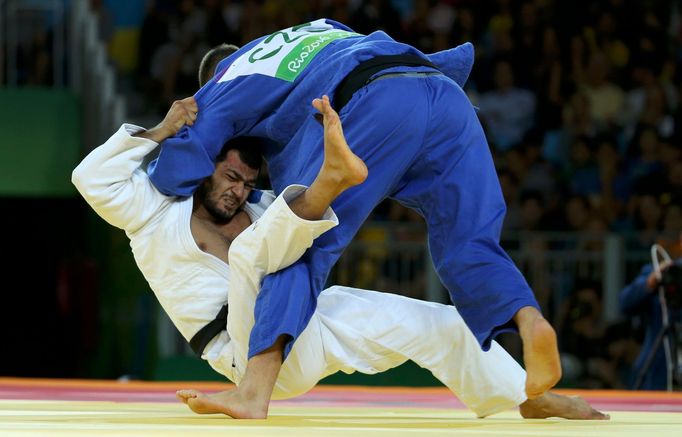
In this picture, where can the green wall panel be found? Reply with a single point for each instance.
(40, 142)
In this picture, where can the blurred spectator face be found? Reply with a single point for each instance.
(643, 75)
(587, 305)
(577, 213)
(531, 213)
(597, 225)
(186, 6)
(509, 186)
(550, 44)
(466, 18)
(504, 77)
(648, 142)
(649, 211)
(580, 153)
(607, 153)
(516, 163)
(578, 110)
(673, 219)
(669, 153)
(675, 174)
(528, 15)
(598, 69)
(502, 42)
(607, 24)
(655, 105)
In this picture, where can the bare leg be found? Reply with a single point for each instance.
(251, 399)
(555, 405)
(540, 351)
(341, 169)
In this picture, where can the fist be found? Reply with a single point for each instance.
(182, 112)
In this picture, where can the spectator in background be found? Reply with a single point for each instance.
(465, 27)
(39, 60)
(615, 186)
(641, 298)
(644, 163)
(582, 331)
(581, 171)
(378, 15)
(605, 97)
(528, 36)
(418, 31)
(174, 64)
(153, 35)
(649, 103)
(507, 111)
(647, 218)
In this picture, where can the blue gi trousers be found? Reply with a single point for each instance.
(424, 146)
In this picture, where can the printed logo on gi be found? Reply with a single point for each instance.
(285, 53)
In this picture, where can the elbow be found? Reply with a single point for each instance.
(77, 178)
(80, 179)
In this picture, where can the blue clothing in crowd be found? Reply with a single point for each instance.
(637, 300)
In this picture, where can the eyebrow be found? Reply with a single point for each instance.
(241, 177)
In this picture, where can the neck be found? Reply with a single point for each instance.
(228, 229)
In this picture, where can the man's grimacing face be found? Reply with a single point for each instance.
(229, 186)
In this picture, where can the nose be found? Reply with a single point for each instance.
(238, 189)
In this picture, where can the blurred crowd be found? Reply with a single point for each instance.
(582, 109)
(582, 106)
(579, 99)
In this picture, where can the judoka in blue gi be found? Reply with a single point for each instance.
(418, 134)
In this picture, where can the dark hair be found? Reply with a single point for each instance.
(249, 149)
(211, 59)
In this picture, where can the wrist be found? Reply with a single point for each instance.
(157, 134)
(163, 131)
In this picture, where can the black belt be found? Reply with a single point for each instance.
(361, 75)
(207, 333)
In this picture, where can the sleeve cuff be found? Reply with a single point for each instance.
(293, 191)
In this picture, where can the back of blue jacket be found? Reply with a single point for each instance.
(265, 90)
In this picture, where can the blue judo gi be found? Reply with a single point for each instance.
(418, 135)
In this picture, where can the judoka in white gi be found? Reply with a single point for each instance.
(351, 330)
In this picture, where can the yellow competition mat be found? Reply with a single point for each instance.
(30, 407)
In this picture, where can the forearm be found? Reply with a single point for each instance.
(157, 134)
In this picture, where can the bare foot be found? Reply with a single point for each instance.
(540, 352)
(555, 405)
(231, 403)
(339, 160)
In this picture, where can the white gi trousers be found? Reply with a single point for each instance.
(358, 330)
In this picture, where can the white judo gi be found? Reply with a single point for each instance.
(351, 330)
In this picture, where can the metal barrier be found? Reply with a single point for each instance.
(25, 23)
(394, 258)
(553, 263)
(78, 57)
(93, 77)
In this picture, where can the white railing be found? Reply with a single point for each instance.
(92, 76)
(394, 259)
(20, 20)
(79, 58)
